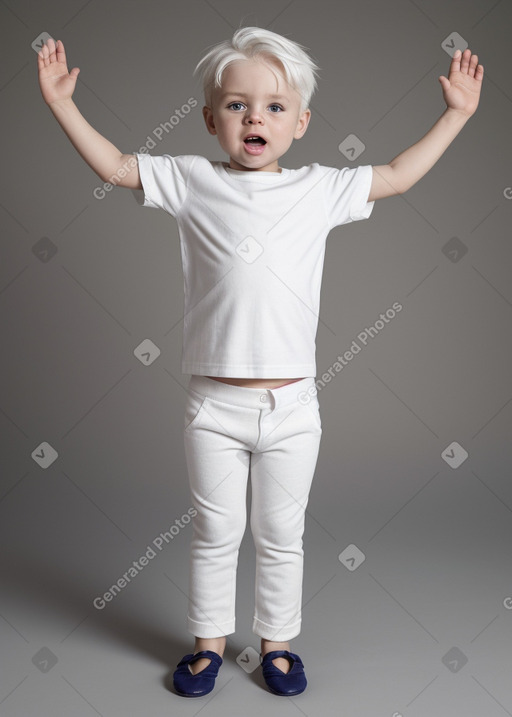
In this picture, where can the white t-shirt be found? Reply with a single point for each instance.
(252, 249)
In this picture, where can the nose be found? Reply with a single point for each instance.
(253, 117)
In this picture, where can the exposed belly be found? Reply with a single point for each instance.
(256, 382)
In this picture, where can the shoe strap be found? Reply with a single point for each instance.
(213, 656)
(277, 653)
(282, 653)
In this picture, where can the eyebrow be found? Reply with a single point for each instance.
(243, 94)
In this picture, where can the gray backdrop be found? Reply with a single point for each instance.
(407, 603)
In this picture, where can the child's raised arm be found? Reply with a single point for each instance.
(57, 86)
(461, 92)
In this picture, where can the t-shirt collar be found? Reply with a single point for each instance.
(254, 176)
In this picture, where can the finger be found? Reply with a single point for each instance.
(445, 84)
(40, 59)
(45, 53)
(464, 63)
(51, 48)
(61, 54)
(473, 62)
(455, 66)
(479, 74)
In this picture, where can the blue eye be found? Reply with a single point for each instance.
(237, 106)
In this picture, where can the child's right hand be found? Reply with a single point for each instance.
(55, 81)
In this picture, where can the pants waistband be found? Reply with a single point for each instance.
(299, 391)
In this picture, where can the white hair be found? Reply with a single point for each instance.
(248, 42)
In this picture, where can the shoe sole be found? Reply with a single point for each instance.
(286, 694)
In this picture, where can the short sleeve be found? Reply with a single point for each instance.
(164, 181)
(346, 193)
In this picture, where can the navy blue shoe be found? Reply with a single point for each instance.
(288, 683)
(190, 685)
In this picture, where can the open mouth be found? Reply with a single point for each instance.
(254, 144)
(255, 140)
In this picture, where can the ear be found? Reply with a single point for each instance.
(302, 124)
(208, 119)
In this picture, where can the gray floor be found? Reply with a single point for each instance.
(419, 627)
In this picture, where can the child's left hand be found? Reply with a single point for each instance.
(461, 91)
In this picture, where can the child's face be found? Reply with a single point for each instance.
(255, 100)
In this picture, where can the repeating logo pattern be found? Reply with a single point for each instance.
(408, 554)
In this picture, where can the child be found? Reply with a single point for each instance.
(252, 240)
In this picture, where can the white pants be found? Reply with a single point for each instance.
(273, 435)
